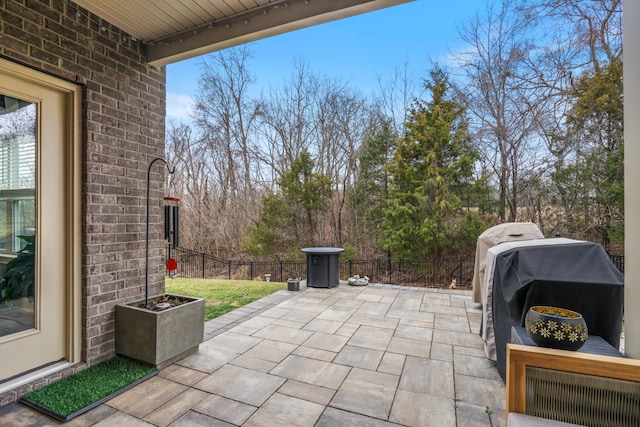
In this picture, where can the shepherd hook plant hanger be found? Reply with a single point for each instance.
(146, 265)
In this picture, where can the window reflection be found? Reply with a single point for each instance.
(18, 124)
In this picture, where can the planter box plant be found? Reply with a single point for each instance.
(156, 335)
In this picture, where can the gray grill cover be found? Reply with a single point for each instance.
(578, 276)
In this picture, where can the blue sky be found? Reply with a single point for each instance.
(360, 49)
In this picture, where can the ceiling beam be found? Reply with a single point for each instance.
(275, 18)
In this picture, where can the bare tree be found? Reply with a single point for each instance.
(286, 121)
(193, 182)
(588, 144)
(18, 121)
(395, 96)
(325, 118)
(344, 121)
(225, 115)
(595, 25)
(506, 108)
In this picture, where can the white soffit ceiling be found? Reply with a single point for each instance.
(180, 29)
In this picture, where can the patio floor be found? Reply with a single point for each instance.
(377, 355)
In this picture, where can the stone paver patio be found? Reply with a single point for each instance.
(376, 355)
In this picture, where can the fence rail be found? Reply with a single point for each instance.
(193, 264)
(424, 272)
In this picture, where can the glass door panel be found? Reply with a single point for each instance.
(18, 140)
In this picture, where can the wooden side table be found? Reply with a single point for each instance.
(594, 344)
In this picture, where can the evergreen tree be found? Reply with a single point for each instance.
(307, 195)
(271, 233)
(591, 175)
(432, 167)
(290, 219)
(368, 197)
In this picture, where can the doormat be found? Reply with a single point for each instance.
(79, 393)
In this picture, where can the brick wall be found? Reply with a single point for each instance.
(123, 130)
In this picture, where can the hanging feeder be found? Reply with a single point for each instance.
(171, 221)
(172, 266)
(171, 231)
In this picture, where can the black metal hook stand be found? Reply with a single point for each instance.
(146, 265)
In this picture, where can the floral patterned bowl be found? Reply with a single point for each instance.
(556, 327)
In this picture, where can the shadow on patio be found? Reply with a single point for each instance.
(377, 355)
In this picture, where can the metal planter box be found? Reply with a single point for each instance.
(293, 285)
(159, 338)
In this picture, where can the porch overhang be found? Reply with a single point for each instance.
(177, 30)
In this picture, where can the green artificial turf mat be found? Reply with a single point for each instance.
(78, 393)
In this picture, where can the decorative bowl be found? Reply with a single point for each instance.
(358, 281)
(555, 327)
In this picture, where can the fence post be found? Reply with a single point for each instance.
(281, 277)
(350, 268)
(460, 272)
(229, 270)
(433, 271)
(251, 270)
(203, 265)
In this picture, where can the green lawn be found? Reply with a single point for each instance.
(222, 296)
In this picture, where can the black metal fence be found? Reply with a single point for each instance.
(618, 261)
(442, 272)
(197, 265)
(424, 272)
